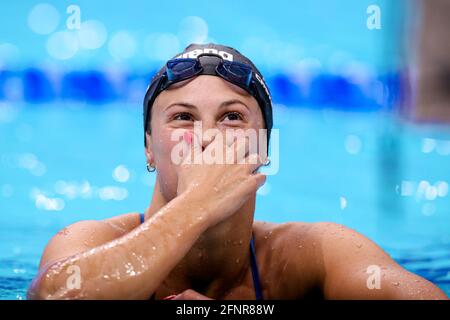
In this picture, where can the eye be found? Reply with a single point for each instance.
(233, 116)
(183, 116)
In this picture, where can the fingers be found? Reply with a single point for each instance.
(253, 162)
(218, 151)
(260, 179)
(253, 183)
(225, 150)
(192, 147)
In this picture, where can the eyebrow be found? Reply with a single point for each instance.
(193, 106)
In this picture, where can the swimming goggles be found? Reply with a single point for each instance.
(237, 73)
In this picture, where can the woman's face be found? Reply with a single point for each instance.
(215, 102)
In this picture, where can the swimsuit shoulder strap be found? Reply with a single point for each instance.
(255, 272)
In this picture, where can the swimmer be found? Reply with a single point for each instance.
(198, 239)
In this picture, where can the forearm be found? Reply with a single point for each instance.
(130, 267)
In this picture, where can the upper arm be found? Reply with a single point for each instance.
(356, 268)
(77, 238)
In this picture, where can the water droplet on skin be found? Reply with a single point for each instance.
(240, 242)
(216, 189)
(268, 235)
(237, 260)
(200, 255)
(396, 284)
(154, 248)
(64, 232)
(300, 246)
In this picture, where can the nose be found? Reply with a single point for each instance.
(206, 131)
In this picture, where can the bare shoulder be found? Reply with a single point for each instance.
(295, 242)
(306, 235)
(339, 242)
(324, 241)
(289, 259)
(86, 234)
(296, 255)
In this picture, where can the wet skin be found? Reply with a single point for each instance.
(194, 242)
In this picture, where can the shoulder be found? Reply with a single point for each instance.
(324, 239)
(339, 251)
(340, 243)
(288, 255)
(291, 240)
(299, 248)
(284, 242)
(86, 234)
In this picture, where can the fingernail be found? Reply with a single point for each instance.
(171, 297)
(187, 137)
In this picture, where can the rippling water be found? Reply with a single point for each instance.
(388, 180)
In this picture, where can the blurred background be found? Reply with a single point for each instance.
(361, 94)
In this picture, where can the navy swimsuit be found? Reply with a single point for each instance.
(253, 265)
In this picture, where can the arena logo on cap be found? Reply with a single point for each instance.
(196, 52)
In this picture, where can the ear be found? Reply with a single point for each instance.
(148, 149)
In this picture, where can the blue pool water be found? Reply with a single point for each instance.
(387, 179)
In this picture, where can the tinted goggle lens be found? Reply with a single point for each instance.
(235, 72)
(179, 69)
